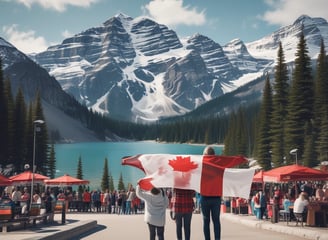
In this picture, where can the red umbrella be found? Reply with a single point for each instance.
(294, 172)
(4, 181)
(66, 180)
(26, 178)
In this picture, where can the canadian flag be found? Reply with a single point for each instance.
(210, 175)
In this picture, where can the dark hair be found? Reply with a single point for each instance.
(155, 191)
(209, 151)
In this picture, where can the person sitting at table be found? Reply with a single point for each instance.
(300, 205)
(16, 196)
(36, 198)
(326, 193)
(286, 202)
(25, 201)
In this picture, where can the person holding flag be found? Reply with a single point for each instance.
(156, 203)
(210, 175)
(183, 206)
(210, 207)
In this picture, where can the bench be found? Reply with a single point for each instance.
(44, 217)
(35, 214)
(7, 217)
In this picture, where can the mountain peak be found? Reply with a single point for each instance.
(123, 16)
(236, 41)
(301, 19)
(305, 19)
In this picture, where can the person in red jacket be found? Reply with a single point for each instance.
(86, 198)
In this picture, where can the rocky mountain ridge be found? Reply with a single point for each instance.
(140, 70)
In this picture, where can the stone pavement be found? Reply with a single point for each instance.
(314, 233)
(78, 224)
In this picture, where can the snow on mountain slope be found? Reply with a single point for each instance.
(313, 28)
(137, 69)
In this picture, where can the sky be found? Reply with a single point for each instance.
(34, 25)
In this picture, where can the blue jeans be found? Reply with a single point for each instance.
(211, 207)
(183, 220)
(128, 207)
(153, 230)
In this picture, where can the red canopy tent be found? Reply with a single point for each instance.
(66, 180)
(26, 178)
(258, 177)
(294, 172)
(4, 181)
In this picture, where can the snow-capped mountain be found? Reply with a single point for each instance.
(136, 69)
(139, 69)
(314, 30)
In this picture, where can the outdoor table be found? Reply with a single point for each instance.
(313, 207)
(317, 214)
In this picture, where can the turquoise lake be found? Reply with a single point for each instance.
(93, 158)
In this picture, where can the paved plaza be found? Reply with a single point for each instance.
(89, 225)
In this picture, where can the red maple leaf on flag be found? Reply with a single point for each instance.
(182, 164)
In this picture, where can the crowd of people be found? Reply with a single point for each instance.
(283, 198)
(153, 203)
(182, 203)
(20, 200)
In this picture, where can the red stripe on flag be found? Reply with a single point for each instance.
(211, 183)
(133, 161)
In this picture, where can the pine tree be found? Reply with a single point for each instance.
(51, 170)
(264, 136)
(241, 131)
(20, 118)
(321, 85)
(29, 135)
(301, 100)
(10, 121)
(105, 176)
(230, 140)
(3, 121)
(279, 112)
(41, 148)
(322, 141)
(120, 185)
(309, 147)
(321, 105)
(79, 171)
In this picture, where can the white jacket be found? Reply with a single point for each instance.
(155, 206)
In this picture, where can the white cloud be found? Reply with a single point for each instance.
(285, 12)
(26, 42)
(58, 5)
(173, 13)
